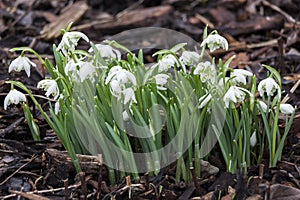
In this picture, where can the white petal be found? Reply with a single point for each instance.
(253, 139)
(287, 109)
(263, 106)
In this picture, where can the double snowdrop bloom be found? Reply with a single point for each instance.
(71, 67)
(206, 70)
(239, 76)
(107, 51)
(235, 94)
(87, 71)
(269, 86)
(161, 80)
(21, 63)
(14, 97)
(122, 84)
(167, 62)
(189, 57)
(70, 41)
(286, 109)
(50, 86)
(214, 42)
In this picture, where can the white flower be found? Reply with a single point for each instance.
(121, 75)
(269, 86)
(204, 100)
(253, 139)
(87, 71)
(263, 106)
(167, 62)
(70, 40)
(189, 57)
(215, 41)
(13, 97)
(56, 107)
(21, 63)
(50, 86)
(161, 80)
(206, 70)
(57, 104)
(239, 76)
(122, 84)
(128, 95)
(235, 94)
(286, 109)
(71, 67)
(107, 51)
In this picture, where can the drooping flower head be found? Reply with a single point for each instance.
(286, 108)
(239, 76)
(122, 84)
(107, 51)
(189, 57)
(50, 86)
(235, 94)
(167, 62)
(214, 42)
(14, 97)
(268, 86)
(70, 40)
(21, 63)
(206, 70)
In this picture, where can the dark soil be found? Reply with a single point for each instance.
(259, 32)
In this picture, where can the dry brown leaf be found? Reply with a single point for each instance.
(71, 14)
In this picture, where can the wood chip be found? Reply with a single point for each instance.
(71, 14)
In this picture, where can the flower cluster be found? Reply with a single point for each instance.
(182, 82)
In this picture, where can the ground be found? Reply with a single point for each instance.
(259, 32)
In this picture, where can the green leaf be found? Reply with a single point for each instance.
(274, 72)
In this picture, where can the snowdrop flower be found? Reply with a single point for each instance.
(189, 57)
(107, 51)
(269, 86)
(206, 70)
(50, 86)
(263, 106)
(122, 84)
(57, 104)
(13, 97)
(286, 109)
(70, 40)
(235, 94)
(167, 62)
(253, 139)
(86, 71)
(21, 63)
(239, 76)
(204, 100)
(215, 41)
(71, 67)
(161, 80)
(121, 75)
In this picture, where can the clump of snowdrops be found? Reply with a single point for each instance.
(95, 95)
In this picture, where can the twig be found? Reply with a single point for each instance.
(66, 183)
(292, 90)
(83, 185)
(205, 21)
(100, 159)
(15, 172)
(276, 8)
(10, 128)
